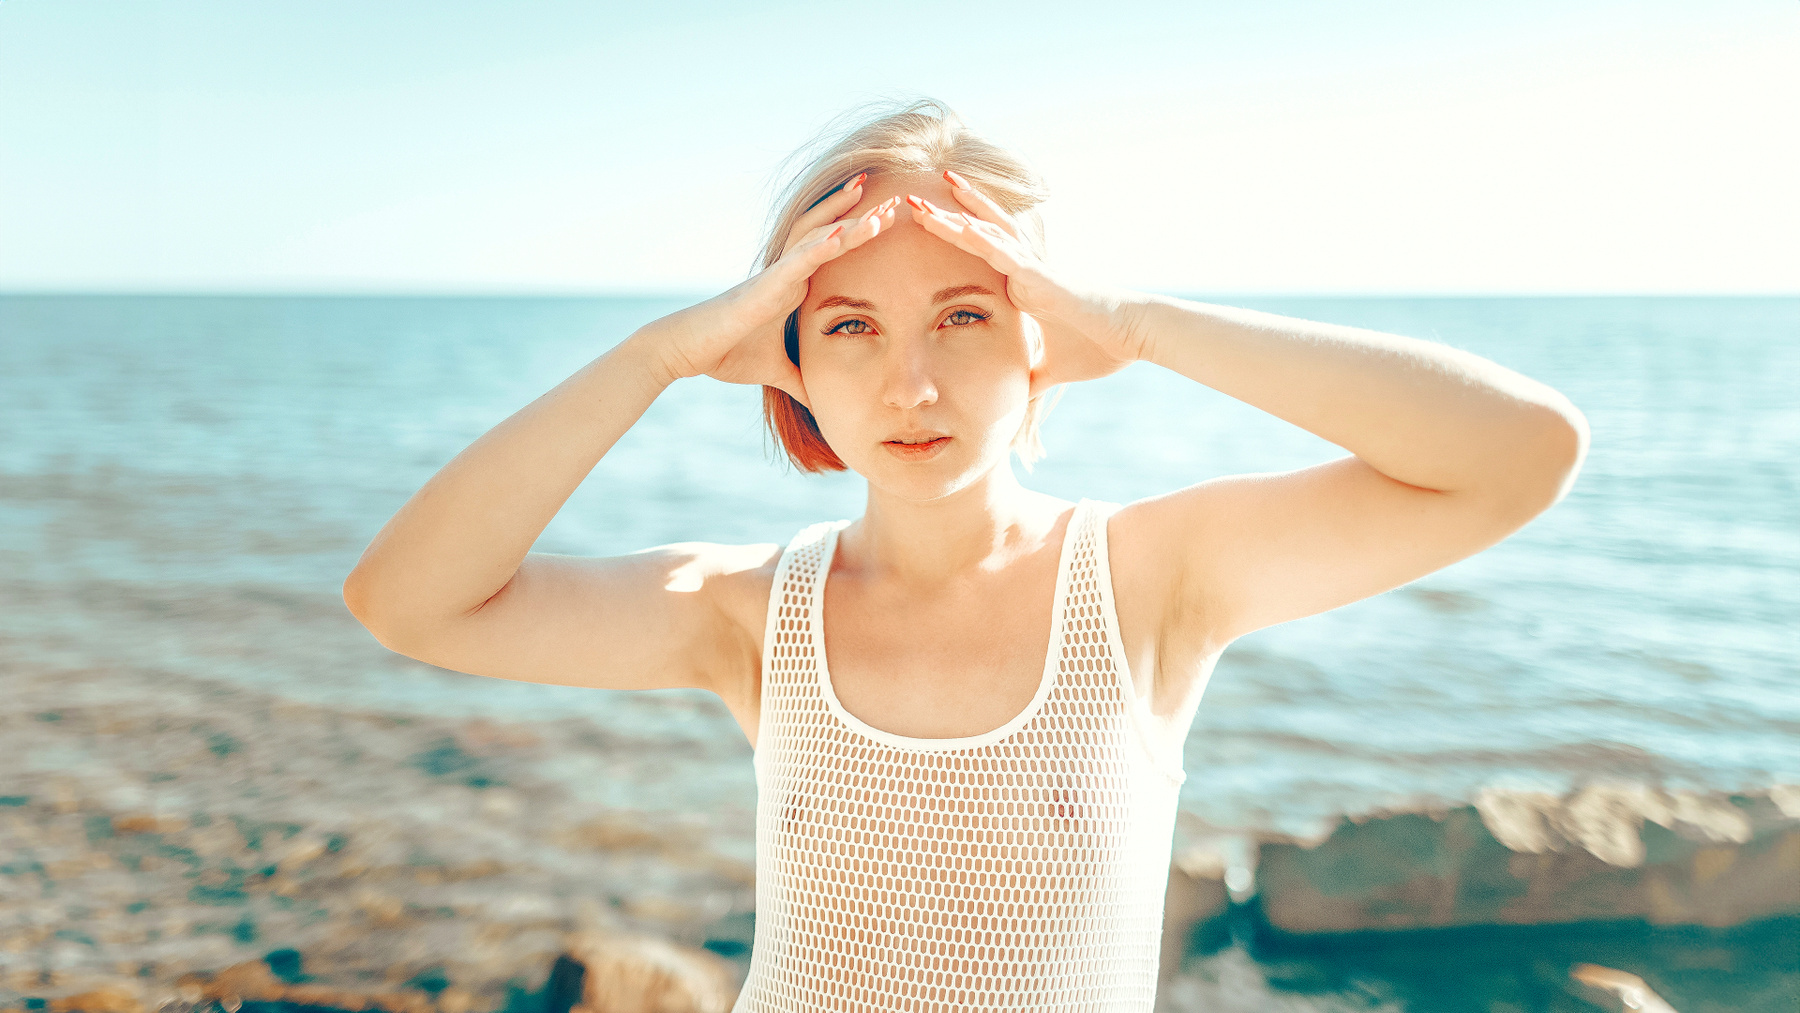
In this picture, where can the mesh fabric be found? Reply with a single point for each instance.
(1023, 868)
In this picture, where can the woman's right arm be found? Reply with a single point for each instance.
(450, 579)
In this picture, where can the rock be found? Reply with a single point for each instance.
(381, 909)
(251, 980)
(398, 1002)
(642, 974)
(325, 996)
(1195, 908)
(1606, 821)
(483, 735)
(622, 832)
(667, 911)
(255, 981)
(106, 999)
(299, 852)
(1625, 991)
(1601, 853)
(145, 823)
(733, 870)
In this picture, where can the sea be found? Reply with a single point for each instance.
(172, 464)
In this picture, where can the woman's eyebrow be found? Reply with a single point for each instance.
(958, 291)
(943, 295)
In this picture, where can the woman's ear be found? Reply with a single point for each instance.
(792, 384)
(796, 389)
(1034, 338)
(790, 364)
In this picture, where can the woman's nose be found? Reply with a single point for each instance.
(906, 380)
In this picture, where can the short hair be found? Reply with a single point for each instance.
(919, 136)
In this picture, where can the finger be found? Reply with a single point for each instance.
(980, 204)
(835, 238)
(983, 239)
(872, 223)
(959, 220)
(827, 210)
(832, 240)
(964, 219)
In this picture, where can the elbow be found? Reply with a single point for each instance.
(356, 595)
(363, 605)
(1567, 446)
(353, 595)
(1535, 466)
(393, 616)
(1552, 456)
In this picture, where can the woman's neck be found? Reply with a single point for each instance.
(982, 526)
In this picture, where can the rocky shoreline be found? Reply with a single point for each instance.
(216, 845)
(1602, 853)
(152, 839)
(1611, 896)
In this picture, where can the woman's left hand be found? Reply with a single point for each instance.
(1087, 334)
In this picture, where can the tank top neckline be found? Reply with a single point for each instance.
(1058, 616)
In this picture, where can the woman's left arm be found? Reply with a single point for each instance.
(1449, 452)
(1421, 413)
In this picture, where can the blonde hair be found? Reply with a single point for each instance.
(922, 136)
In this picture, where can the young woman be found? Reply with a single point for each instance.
(971, 803)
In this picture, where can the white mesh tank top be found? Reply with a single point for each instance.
(1020, 869)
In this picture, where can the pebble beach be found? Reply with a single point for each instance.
(389, 861)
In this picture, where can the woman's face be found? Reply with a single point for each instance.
(907, 338)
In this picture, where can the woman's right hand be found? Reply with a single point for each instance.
(736, 336)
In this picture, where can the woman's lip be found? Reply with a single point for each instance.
(917, 451)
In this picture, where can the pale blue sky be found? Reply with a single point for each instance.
(1284, 146)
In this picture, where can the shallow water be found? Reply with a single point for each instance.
(184, 483)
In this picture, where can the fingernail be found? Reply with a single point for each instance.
(834, 232)
(956, 180)
(856, 182)
(915, 202)
(928, 205)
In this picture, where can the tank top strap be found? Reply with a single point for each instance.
(787, 628)
(1088, 549)
(1092, 562)
(1093, 614)
(1092, 664)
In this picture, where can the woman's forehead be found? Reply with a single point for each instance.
(903, 265)
(881, 185)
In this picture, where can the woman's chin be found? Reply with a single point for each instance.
(920, 480)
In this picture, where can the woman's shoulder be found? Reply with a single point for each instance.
(724, 572)
(738, 579)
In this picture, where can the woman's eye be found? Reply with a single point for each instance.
(962, 318)
(839, 327)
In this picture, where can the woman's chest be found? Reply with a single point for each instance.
(949, 665)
